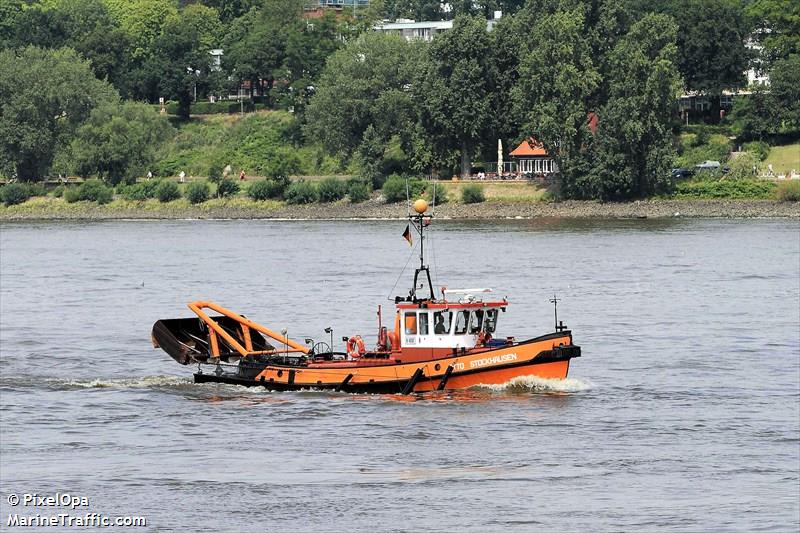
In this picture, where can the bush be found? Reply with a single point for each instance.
(198, 191)
(141, 191)
(215, 171)
(701, 147)
(742, 166)
(358, 191)
(788, 191)
(58, 192)
(167, 190)
(759, 149)
(301, 192)
(36, 189)
(440, 196)
(15, 193)
(71, 195)
(734, 189)
(394, 189)
(91, 191)
(472, 194)
(265, 189)
(331, 190)
(227, 187)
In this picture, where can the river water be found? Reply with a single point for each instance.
(683, 413)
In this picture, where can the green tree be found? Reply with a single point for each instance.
(455, 88)
(255, 43)
(119, 141)
(84, 25)
(712, 55)
(366, 83)
(507, 39)
(556, 91)
(634, 140)
(777, 28)
(10, 13)
(784, 92)
(413, 9)
(182, 54)
(231, 9)
(307, 48)
(47, 94)
(769, 111)
(142, 22)
(751, 116)
(369, 157)
(711, 44)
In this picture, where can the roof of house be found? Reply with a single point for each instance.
(433, 24)
(529, 147)
(592, 122)
(532, 147)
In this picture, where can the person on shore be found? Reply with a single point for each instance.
(242, 176)
(182, 177)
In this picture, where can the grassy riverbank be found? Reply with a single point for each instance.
(695, 198)
(241, 208)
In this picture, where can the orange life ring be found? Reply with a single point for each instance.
(356, 347)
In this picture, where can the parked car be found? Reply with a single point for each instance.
(708, 165)
(682, 173)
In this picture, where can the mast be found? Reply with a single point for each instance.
(419, 220)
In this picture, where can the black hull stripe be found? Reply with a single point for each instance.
(380, 387)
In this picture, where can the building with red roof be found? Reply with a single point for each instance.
(532, 158)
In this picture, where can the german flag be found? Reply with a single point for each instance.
(407, 235)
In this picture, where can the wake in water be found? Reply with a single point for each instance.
(525, 384)
(145, 382)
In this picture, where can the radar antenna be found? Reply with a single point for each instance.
(558, 325)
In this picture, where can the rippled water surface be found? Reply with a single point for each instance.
(683, 413)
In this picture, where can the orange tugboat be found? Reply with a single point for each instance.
(434, 343)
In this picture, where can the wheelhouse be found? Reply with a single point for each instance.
(447, 325)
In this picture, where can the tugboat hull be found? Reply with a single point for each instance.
(545, 357)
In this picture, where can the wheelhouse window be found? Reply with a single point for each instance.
(423, 323)
(410, 323)
(476, 321)
(441, 322)
(490, 322)
(462, 320)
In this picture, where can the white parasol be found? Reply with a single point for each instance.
(499, 157)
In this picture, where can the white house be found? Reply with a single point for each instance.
(425, 30)
(411, 30)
